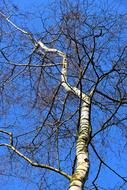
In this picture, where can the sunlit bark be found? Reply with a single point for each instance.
(82, 167)
(82, 155)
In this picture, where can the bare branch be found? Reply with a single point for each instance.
(34, 163)
(75, 90)
(18, 28)
(29, 65)
(93, 147)
(97, 175)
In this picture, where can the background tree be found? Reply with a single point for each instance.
(63, 95)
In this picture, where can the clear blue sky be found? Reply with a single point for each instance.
(28, 5)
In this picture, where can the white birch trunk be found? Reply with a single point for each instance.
(82, 167)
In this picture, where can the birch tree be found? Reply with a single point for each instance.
(67, 86)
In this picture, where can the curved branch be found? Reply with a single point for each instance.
(36, 164)
(18, 28)
(96, 177)
(65, 84)
(105, 126)
(68, 87)
(98, 156)
(122, 100)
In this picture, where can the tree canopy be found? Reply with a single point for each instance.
(63, 94)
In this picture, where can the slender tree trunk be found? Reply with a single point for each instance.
(80, 175)
(82, 167)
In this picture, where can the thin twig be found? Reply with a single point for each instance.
(106, 164)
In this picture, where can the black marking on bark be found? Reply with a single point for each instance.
(86, 160)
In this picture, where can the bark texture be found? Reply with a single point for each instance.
(82, 167)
